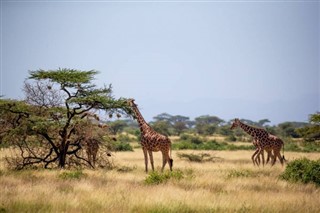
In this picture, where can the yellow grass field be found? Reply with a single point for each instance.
(230, 183)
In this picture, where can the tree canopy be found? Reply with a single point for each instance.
(60, 108)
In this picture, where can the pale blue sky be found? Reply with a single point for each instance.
(246, 59)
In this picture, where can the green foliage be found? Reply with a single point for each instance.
(121, 146)
(125, 138)
(171, 124)
(288, 129)
(66, 77)
(197, 143)
(296, 146)
(192, 139)
(292, 146)
(117, 126)
(234, 173)
(163, 127)
(53, 117)
(155, 178)
(72, 175)
(226, 131)
(303, 170)
(311, 132)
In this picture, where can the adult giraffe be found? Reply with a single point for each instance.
(152, 141)
(264, 141)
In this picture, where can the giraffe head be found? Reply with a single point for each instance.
(235, 123)
(131, 103)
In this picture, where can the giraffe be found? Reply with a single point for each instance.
(92, 148)
(256, 160)
(152, 141)
(263, 140)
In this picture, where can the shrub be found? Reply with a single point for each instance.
(302, 170)
(311, 147)
(184, 137)
(121, 146)
(155, 178)
(184, 145)
(214, 145)
(124, 138)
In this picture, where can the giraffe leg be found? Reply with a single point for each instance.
(260, 152)
(145, 159)
(257, 159)
(151, 159)
(268, 156)
(165, 158)
(280, 158)
(253, 157)
(276, 154)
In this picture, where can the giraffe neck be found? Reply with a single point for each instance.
(142, 123)
(248, 129)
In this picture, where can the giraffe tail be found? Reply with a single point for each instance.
(170, 157)
(283, 158)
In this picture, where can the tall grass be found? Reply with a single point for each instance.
(231, 185)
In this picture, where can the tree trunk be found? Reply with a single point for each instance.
(62, 157)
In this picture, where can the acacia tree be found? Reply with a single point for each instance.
(311, 132)
(51, 126)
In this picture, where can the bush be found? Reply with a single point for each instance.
(121, 146)
(124, 138)
(155, 178)
(302, 170)
(190, 138)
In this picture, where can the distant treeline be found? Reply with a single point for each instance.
(207, 125)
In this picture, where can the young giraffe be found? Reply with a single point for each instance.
(256, 160)
(263, 139)
(152, 141)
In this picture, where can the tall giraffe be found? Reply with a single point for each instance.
(152, 141)
(263, 139)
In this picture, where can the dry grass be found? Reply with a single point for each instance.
(230, 185)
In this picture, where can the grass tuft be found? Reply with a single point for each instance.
(72, 175)
(125, 169)
(240, 173)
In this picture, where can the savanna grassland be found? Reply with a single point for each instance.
(227, 183)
